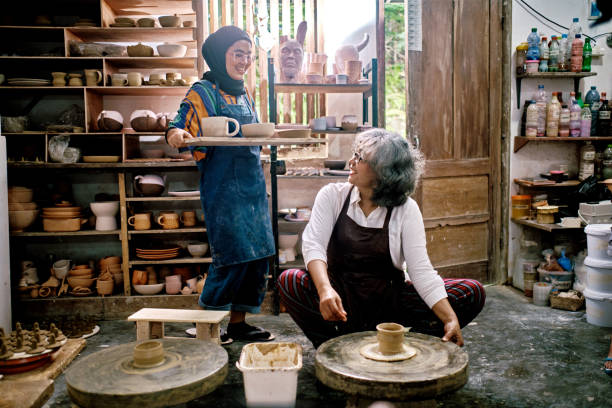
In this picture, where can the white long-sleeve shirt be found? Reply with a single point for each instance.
(406, 236)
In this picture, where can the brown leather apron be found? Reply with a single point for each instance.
(361, 270)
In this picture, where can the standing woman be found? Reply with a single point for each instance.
(232, 186)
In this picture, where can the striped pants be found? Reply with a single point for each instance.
(299, 296)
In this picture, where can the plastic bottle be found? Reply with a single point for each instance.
(574, 29)
(544, 55)
(603, 124)
(541, 103)
(553, 58)
(564, 122)
(574, 116)
(531, 120)
(576, 55)
(553, 112)
(533, 40)
(563, 54)
(592, 98)
(587, 52)
(585, 121)
(587, 161)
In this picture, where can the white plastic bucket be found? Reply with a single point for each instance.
(270, 372)
(598, 274)
(598, 308)
(598, 236)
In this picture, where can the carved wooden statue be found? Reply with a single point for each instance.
(292, 55)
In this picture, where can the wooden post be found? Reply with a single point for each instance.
(125, 249)
(251, 80)
(380, 56)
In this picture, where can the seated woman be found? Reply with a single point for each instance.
(361, 237)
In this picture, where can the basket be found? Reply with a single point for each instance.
(557, 302)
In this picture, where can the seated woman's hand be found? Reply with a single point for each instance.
(330, 306)
(176, 137)
(452, 332)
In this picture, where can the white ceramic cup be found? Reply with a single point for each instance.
(319, 124)
(134, 78)
(218, 126)
(119, 79)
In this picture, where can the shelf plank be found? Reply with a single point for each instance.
(150, 7)
(169, 198)
(321, 88)
(94, 166)
(337, 132)
(64, 234)
(134, 34)
(544, 227)
(170, 261)
(567, 183)
(556, 75)
(145, 90)
(251, 141)
(520, 141)
(171, 231)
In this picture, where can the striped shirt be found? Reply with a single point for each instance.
(200, 102)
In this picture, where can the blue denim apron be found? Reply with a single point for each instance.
(233, 194)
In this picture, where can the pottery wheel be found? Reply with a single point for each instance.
(437, 368)
(108, 378)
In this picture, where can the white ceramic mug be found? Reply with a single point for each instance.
(218, 126)
(134, 79)
(155, 79)
(119, 79)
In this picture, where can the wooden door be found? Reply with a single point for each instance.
(453, 112)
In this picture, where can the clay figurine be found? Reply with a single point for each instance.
(19, 344)
(35, 348)
(5, 353)
(56, 332)
(52, 342)
(291, 55)
(349, 53)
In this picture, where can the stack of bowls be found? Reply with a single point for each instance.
(22, 211)
(80, 275)
(62, 218)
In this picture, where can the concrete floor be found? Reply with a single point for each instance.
(521, 355)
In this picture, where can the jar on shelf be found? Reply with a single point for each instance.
(521, 58)
(532, 66)
(520, 207)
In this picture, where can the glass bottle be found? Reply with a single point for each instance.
(587, 161)
(607, 163)
(587, 52)
(603, 124)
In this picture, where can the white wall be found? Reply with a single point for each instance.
(536, 158)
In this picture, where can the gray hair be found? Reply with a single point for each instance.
(396, 164)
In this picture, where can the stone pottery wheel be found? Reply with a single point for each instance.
(436, 368)
(188, 369)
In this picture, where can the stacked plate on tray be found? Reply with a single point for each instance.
(28, 82)
(158, 254)
(62, 218)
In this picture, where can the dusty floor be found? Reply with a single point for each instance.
(521, 355)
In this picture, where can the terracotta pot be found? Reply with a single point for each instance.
(105, 287)
(139, 277)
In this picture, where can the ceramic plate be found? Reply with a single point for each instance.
(61, 208)
(293, 133)
(289, 217)
(191, 193)
(101, 159)
(157, 258)
(337, 172)
(28, 82)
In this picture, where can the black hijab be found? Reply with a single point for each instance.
(213, 51)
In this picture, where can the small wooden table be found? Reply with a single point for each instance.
(150, 322)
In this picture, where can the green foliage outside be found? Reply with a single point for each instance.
(395, 85)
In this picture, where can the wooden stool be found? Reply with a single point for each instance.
(150, 322)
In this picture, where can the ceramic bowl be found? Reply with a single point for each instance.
(109, 260)
(150, 190)
(557, 176)
(197, 250)
(146, 22)
(74, 281)
(61, 268)
(104, 208)
(335, 164)
(21, 206)
(149, 289)
(79, 272)
(169, 21)
(139, 50)
(21, 219)
(110, 121)
(258, 130)
(20, 195)
(171, 50)
(287, 240)
(105, 287)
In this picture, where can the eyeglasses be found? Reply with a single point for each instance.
(357, 157)
(243, 56)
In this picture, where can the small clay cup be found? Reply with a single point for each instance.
(141, 221)
(148, 354)
(188, 218)
(168, 221)
(390, 338)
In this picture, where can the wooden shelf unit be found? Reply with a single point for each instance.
(172, 261)
(576, 76)
(567, 183)
(545, 227)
